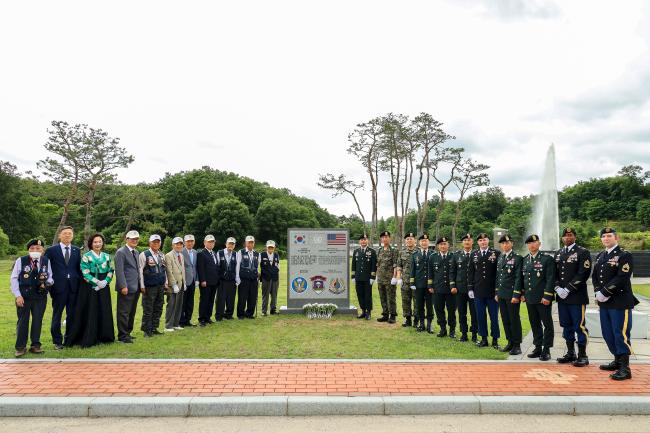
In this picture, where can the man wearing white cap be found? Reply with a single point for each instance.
(127, 285)
(208, 272)
(153, 282)
(270, 272)
(175, 285)
(227, 281)
(247, 263)
(191, 281)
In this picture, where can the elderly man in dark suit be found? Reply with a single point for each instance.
(127, 285)
(65, 261)
(208, 273)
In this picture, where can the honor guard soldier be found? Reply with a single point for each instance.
(364, 271)
(508, 294)
(444, 296)
(611, 280)
(458, 275)
(387, 278)
(31, 279)
(421, 284)
(538, 281)
(403, 278)
(572, 270)
(482, 281)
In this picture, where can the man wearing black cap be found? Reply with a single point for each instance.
(444, 296)
(364, 271)
(538, 282)
(482, 282)
(508, 294)
(30, 280)
(387, 278)
(572, 270)
(421, 283)
(611, 279)
(403, 278)
(458, 275)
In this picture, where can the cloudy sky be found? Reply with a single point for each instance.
(271, 89)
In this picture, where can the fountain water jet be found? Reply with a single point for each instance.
(546, 219)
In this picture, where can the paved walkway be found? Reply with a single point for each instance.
(241, 378)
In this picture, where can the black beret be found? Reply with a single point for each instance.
(35, 242)
(363, 237)
(467, 236)
(569, 230)
(384, 233)
(441, 240)
(607, 230)
(423, 236)
(483, 236)
(505, 238)
(532, 238)
(409, 235)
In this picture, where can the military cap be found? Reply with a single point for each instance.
(384, 233)
(177, 240)
(133, 234)
(505, 238)
(482, 236)
(607, 230)
(532, 238)
(466, 236)
(409, 235)
(208, 238)
(33, 242)
(363, 237)
(569, 230)
(441, 240)
(423, 236)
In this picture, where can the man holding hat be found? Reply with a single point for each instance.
(482, 286)
(572, 270)
(127, 285)
(30, 281)
(538, 283)
(248, 262)
(190, 259)
(227, 280)
(421, 284)
(403, 278)
(387, 279)
(611, 279)
(208, 274)
(269, 275)
(458, 273)
(508, 293)
(444, 296)
(364, 271)
(153, 282)
(175, 285)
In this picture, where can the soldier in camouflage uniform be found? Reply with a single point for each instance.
(387, 278)
(403, 276)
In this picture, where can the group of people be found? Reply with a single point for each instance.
(79, 283)
(486, 282)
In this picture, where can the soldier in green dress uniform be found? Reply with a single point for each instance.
(364, 271)
(421, 283)
(403, 278)
(387, 278)
(444, 296)
(458, 274)
(508, 294)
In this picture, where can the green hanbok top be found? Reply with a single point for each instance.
(95, 268)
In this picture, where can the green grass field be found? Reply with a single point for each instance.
(284, 336)
(642, 289)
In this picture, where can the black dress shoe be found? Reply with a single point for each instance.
(209, 322)
(407, 322)
(482, 343)
(429, 325)
(148, 334)
(463, 337)
(495, 343)
(452, 334)
(516, 350)
(442, 333)
(474, 337)
(508, 347)
(419, 326)
(545, 355)
(126, 341)
(368, 315)
(228, 317)
(218, 319)
(191, 325)
(362, 315)
(157, 332)
(535, 353)
(58, 347)
(383, 319)
(273, 312)
(203, 324)
(391, 319)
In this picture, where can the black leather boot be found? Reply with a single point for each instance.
(383, 318)
(623, 371)
(582, 360)
(535, 353)
(545, 355)
(429, 330)
(407, 322)
(612, 366)
(452, 333)
(570, 355)
(516, 350)
(391, 319)
(443, 331)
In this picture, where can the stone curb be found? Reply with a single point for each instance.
(319, 406)
(280, 361)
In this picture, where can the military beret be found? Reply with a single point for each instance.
(363, 237)
(466, 236)
(409, 235)
(441, 240)
(384, 233)
(532, 238)
(569, 230)
(423, 236)
(35, 242)
(505, 238)
(482, 236)
(607, 230)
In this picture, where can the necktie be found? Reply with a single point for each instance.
(135, 257)
(35, 264)
(179, 258)
(66, 257)
(213, 257)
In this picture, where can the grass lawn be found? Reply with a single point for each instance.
(284, 336)
(641, 289)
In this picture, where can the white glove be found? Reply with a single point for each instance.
(393, 281)
(196, 284)
(101, 284)
(97, 288)
(372, 282)
(470, 294)
(175, 288)
(412, 287)
(399, 281)
(238, 281)
(600, 297)
(563, 292)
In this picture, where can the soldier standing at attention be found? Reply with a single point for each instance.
(481, 284)
(538, 281)
(421, 284)
(444, 296)
(458, 275)
(508, 294)
(387, 279)
(364, 270)
(611, 279)
(573, 267)
(403, 278)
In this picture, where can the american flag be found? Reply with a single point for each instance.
(336, 239)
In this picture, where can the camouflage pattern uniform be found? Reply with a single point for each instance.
(386, 265)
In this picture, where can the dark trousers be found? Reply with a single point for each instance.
(442, 301)
(541, 323)
(466, 303)
(364, 295)
(35, 307)
(572, 321)
(423, 299)
(481, 318)
(125, 315)
(153, 300)
(206, 302)
(247, 298)
(269, 289)
(226, 299)
(66, 299)
(616, 326)
(511, 320)
(188, 304)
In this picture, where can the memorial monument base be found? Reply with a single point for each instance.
(297, 310)
(639, 324)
